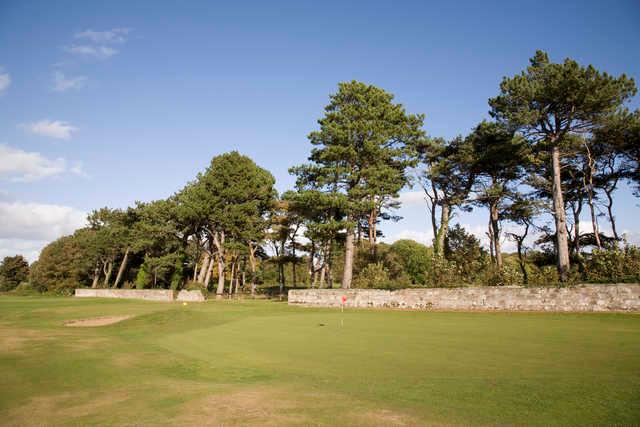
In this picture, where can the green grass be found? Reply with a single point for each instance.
(262, 362)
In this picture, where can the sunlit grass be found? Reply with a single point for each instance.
(262, 362)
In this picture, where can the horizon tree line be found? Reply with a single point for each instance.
(561, 141)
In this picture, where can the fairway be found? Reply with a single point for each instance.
(265, 363)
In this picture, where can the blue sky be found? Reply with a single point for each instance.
(105, 103)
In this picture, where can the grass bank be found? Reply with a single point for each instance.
(264, 363)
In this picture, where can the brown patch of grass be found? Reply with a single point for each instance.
(384, 417)
(79, 343)
(258, 405)
(12, 340)
(63, 407)
(277, 406)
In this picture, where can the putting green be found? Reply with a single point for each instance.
(264, 363)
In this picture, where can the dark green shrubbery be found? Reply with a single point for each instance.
(62, 266)
(374, 276)
(613, 265)
(466, 263)
(13, 271)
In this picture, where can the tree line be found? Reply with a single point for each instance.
(560, 142)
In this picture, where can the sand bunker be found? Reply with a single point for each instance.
(97, 321)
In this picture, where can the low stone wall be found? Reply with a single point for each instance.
(146, 294)
(185, 295)
(617, 297)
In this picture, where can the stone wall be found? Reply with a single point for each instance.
(617, 297)
(185, 295)
(146, 294)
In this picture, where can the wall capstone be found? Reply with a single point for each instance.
(580, 298)
(145, 294)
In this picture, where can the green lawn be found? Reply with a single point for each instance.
(264, 363)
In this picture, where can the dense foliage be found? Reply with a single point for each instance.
(561, 144)
(13, 271)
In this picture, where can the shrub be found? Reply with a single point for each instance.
(443, 273)
(24, 288)
(177, 275)
(510, 275)
(390, 260)
(374, 276)
(143, 277)
(62, 266)
(13, 271)
(464, 250)
(613, 265)
(415, 259)
(195, 286)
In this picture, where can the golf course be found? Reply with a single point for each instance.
(262, 362)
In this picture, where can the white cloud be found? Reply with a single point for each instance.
(5, 80)
(30, 249)
(587, 227)
(480, 231)
(77, 169)
(632, 237)
(424, 236)
(115, 35)
(54, 129)
(95, 44)
(412, 198)
(23, 166)
(38, 221)
(61, 83)
(26, 227)
(98, 52)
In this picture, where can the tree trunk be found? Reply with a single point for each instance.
(594, 221)
(219, 242)
(195, 271)
(232, 276)
(314, 276)
(348, 259)
(588, 184)
(220, 288)
(96, 275)
(371, 221)
(295, 261)
(282, 276)
(107, 274)
(204, 268)
(374, 233)
(445, 213)
(495, 229)
(323, 272)
(311, 271)
(523, 268)
(252, 265)
(432, 205)
(490, 236)
(562, 246)
(612, 219)
(576, 209)
(123, 266)
(207, 273)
